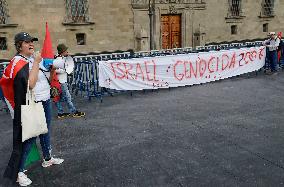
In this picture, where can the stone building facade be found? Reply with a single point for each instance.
(107, 25)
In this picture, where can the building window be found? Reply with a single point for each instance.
(3, 43)
(234, 29)
(81, 38)
(265, 27)
(3, 12)
(234, 8)
(268, 7)
(77, 11)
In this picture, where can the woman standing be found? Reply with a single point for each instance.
(24, 68)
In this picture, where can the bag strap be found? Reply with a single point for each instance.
(28, 94)
(45, 76)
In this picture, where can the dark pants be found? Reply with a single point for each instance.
(281, 63)
(273, 60)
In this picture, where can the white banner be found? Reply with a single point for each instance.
(179, 70)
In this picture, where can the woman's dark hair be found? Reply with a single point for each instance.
(18, 45)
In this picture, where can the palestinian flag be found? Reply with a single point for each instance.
(14, 84)
(33, 156)
(7, 81)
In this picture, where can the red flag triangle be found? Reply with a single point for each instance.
(47, 51)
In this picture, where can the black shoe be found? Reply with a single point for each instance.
(268, 72)
(63, 115)
(274, 73)
(78, 114)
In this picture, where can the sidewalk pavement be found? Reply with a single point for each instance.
(225, 133)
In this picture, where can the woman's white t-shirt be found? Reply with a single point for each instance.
(42, 87)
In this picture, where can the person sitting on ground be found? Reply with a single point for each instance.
(272, 44)
(65, 95)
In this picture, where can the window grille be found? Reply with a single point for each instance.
(3, 12)
(3, 43)
(268, 7)
(139, 1)
(234, 29)
(265, 27)
(77, 11)
(81, 38)
(235, 8)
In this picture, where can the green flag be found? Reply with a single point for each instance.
(33, 155)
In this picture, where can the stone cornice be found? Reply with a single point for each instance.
(192, 4)
(8, 25)
(78, 23)
(266, 17)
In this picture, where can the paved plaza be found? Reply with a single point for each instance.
(225, 133)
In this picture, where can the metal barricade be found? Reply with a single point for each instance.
(235, 45)
(250, 44)
(258, 43)
(211, 47)
(178, 50)
(1, 93)
(187, 49)
(3, 65)
(120, 55)
(224, 46)
(85, 77)
(2, 100)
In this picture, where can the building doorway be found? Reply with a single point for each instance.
(171, 31)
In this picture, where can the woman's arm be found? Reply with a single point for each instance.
(33, 76)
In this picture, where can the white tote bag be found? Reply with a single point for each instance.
(32, 117)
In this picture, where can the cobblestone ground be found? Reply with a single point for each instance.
(226, 133)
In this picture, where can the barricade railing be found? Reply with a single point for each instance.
(85, 77)
(3, 65)
(3, 105)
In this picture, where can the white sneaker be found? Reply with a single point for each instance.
(51, 162)
(23, 180)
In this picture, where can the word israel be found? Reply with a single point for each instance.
(179, 70)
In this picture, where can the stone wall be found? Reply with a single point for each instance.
(110, 26)
(217, 24)
(207, 21)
